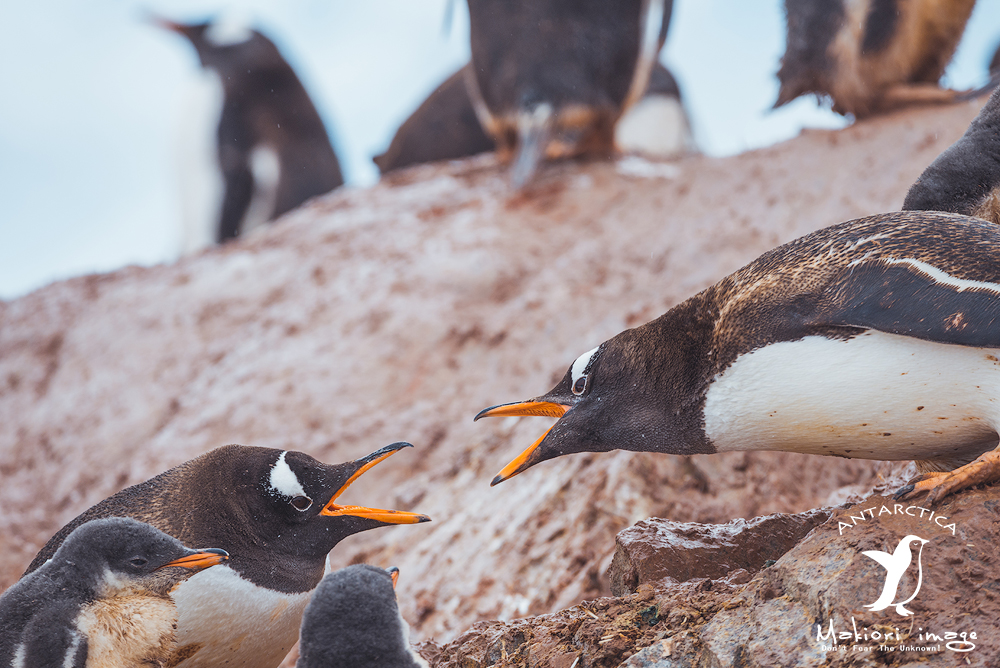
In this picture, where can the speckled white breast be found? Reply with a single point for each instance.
(240, 625)
(875, 396)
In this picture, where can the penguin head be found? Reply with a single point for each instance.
(118, 553)
(353, 619)
(605, 401)
(227, 45)
(286, 500)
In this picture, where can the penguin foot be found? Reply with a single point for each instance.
(985, 469)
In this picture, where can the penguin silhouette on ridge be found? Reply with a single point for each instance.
(353, 621)
(965, 178)
(896, 564)
(550, 78)
(870, 56)
(276, 513)
(272, 152)
(102, 601)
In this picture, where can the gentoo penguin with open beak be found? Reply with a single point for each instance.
(878, 338)
(966, 177)
(276, 513)
(549, 78)
(102, 600)
(353, 621)
(870, 56)
(272, 150)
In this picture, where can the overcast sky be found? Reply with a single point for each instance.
(94, 99)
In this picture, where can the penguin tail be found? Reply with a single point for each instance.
(534, 128)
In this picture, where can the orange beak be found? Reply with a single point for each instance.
(387, 516)
(199, 560)
(523, 408)
(394, 574)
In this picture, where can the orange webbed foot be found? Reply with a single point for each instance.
(985, 469)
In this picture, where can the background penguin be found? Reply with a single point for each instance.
(353, 620)
(870, 56)
(275, 513)
(445, 126)
(272, 149)
(965, 178)
(103, 600)
(551, 77)
(877, 338)
(657, 126)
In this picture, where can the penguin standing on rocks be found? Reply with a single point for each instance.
(870, 56)
(966, 177)
(272, 150)
(878, 338)
(353, 621)
(103, 600)
(550, 78)
(275, 513)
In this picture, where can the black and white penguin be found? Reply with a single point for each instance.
(444, 127)
(353, 621)
(271, 149)
(550, 78)
(275, 513)
(878, 338)
(657, 126)
(870, 56)
(966, 177)
(102, 600)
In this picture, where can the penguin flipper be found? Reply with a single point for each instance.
(51, 639)
(883, 558)
(236, 201)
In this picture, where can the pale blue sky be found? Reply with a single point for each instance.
(90, 113)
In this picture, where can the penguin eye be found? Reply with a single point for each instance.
(138, 562)
(301, 503)
(581, 384)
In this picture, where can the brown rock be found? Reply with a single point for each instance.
(656, 549)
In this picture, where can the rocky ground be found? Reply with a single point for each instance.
(397, 313)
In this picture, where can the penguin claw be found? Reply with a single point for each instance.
(903, 491)
(985, 469)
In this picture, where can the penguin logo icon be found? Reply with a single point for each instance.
(896, 564)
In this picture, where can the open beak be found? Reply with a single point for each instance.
(199, 560)
(332, 509)
(527, 458)
(394, 574)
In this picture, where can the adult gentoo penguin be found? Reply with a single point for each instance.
(103, 600)
(878, 338)
(275, 513)
(870, 56)
(272, 150)
(353, 621)
(966, 177)
(549, 78)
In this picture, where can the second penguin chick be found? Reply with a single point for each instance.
(102, 601)
(870, 56)
(353, 621)
(965, 178)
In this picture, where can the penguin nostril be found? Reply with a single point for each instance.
(301, 503)
(580, 385)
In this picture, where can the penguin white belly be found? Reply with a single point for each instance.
(874, 396)
(200, 177)
(656, 127)
(224, 620)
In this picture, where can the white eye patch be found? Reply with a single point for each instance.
(580, 365)
(283, 480)
(229, 30)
